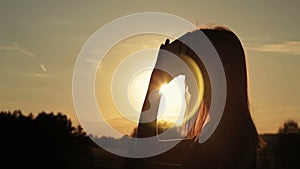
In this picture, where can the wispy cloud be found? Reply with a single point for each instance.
(17, 48)
(288, 109)
(38, 75)
(289, 47)
(43, 68)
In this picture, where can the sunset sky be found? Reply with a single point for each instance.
(40, 41)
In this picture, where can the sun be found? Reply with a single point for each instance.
(163, 89)
(172, 103)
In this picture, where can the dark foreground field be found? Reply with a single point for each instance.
(51, 141)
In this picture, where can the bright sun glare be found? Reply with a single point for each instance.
(163, 88)
(172, 102)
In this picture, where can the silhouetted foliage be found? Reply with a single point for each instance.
(46, 141)
(161, 127)
(289, 127)
(282, 149)
(51, 141)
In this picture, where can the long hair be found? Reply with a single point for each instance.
(233, 59)
(235, 140)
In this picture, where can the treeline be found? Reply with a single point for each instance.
(50, 140)
(45, 141)
(281, 150)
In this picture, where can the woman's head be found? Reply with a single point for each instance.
(232, 56)
(235, 140)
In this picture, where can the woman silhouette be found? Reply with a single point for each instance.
(234, 143)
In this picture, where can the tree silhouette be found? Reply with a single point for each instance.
(46, 141)
(288, 148)
(282, 149)
(289, 127)
(50, 140)
(161, 127)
